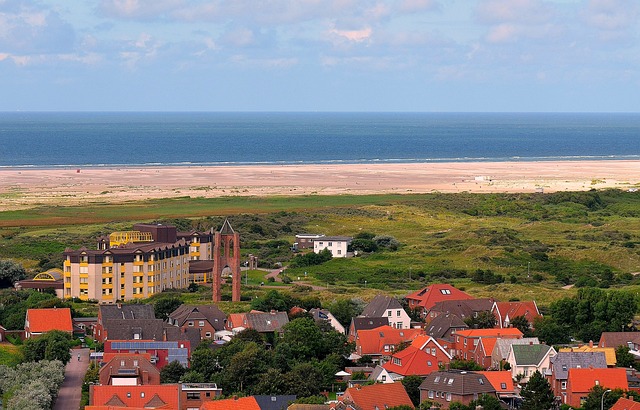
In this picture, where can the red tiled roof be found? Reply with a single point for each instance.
(528, 309)
(508, 332)
(412, 361)
(242, 403)
(378, 396)
(488, 343)
(45, 320)
(626, 404)
(373, 341)
(499, 379)
(582, 380)
(138, 396)
(106, 357)
(429, 296)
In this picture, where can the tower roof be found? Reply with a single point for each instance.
(226, 228)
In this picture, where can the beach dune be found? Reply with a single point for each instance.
(24, 188)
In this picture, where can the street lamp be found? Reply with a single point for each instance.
(602, 399)
(365, 284)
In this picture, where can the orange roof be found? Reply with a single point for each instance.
(373, 341)
(508, 332)
(528, 309)
(106, 357)
(137, 396)
(438, 292)
(626, 404)
(412, 361)
(242, 403)
(236, 319)
(582, 380)
(45, 320)
(488, 343)
(380, 396)
(422, 340)
(500, 379)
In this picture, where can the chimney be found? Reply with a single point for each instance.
(530, 342)
(235, 397)
(590, 343)
(119, 305)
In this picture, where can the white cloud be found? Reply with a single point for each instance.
(356, 36)
(612, 15)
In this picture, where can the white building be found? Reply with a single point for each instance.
(336, 244)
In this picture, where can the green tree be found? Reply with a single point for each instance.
(522, 324)
(165, 306)
(484, 320)
(304, 339)
(461, 364)
(625, 359)
(54, 345)
(550, 331)
(172, 373)
(537, 394)
(595, 398)
(344, 310)
(304, 380)
(411, 385)
(10, 273)
(245, 368)
(272, 382)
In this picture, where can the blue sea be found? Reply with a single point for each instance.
(158, 139)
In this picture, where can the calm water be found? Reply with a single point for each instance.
(104, 139)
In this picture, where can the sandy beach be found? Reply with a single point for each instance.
(24, 188)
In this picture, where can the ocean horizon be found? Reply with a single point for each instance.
(144, 139)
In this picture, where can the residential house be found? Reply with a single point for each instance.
(365, 323)
(382, 375)
(185, 396)
(505, 312)
(563, 361)
(580, 381)
(445, 387)
(483, 351)
(325, 315)
(305, 240)
(502, 347)
(390, 308)
(503, 384)
(466, 341)
(338, 245)
(41, 321)
(609, 352)
(162, 352)
(129, 370)
(464, 309)
(528, 359)
(120, 312)
(432, 347)
(377, 396)
(380, 343)
(425, 299)
(444, 325)
(263, 322)
(410, 361)
(208, 318)
(624, 403)
(274, 402)
(617, 339)
(251, 403)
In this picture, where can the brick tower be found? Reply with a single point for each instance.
(226, 254)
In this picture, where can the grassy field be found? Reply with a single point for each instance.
(538, 243)
(10, 355)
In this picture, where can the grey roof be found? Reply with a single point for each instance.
(463, 308)
(265, 322)
(616, 339)
(458, 382)
(379, 304)
(274, 402)
(564, 361)
(366, 323)
(444, 324)
(126, 312)
(337, 238)
(192, 334)
(502, 345)
(376, 372)
(210, 313)
(529, 355)
(124, 329)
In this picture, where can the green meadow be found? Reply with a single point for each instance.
(509, 246)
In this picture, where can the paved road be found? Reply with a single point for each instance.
(71, 390)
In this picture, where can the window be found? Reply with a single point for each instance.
(384, 378)
(503, 386)
(193, 396)
(433, 351)
(429, 363)
(208, 334)
(437, 379)
(339, 251)
(450, 382)
(445, 291)
(129, 394)
(398, 313)
(142, 394)
(201, 323)
(448, 396)
(431, 394)
(481, 381)
(563, 385)
(84, 269)
(389, 313)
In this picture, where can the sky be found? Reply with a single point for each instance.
(320, 55)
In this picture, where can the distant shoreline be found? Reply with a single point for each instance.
(28, 187)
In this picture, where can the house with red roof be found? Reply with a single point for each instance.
(129, 369)
(503, 384)
(377, 396)
(483, 351)
(466, 341)
(580, 381)
(625, 404)
(432, 347)
(426, 298)
(40, 321)
(165, 396)
(381, 342)
(260, 402)
(410, 361)
(505, 312)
